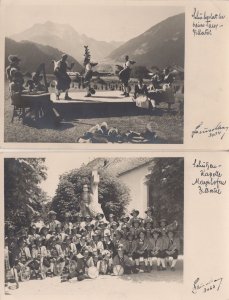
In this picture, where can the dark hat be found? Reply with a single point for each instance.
(124, 226)
(156, 231)
(52, 212)
(43, 228)
(99, 215)
(120, 247)
(13, 58)
(148, 221)
(33, 227)
(107, 234)
(149, 209)
(88, 218)
(93, 64)
(64, 55)
(78, 215)
(142, 231)
(97, 233)
(67, 238)
(114, 224)
(39, 239)
(89, 225)
(125, 217)
(102, 223)
(134, 211)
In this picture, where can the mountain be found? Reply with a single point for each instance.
(161, 45)
(67, 39)
(33, 54)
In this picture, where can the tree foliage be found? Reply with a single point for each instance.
(139, 72)
(166, 185)
(23, 195)
(113, 194)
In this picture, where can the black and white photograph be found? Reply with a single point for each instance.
(107, 225)
(94, 73)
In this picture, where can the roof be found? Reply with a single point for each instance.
(120, 166)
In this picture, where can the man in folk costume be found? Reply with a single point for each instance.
(141, 254)
(21, 254)
(149, 214)
(88, 72)
(173, 249)
(38, 252)
(63, 80)
(163, 248)
(135, 229)
(14, 61)
(130, 245)
(124, 75)
(53, 223)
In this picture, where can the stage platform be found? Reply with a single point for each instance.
(102, 104)
(99, 97)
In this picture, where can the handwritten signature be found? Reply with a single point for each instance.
(213, 284)
(217, 131)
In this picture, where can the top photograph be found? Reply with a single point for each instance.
(94, 74)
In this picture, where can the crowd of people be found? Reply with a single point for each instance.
(86, 247)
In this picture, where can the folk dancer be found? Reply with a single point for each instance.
(124, 76)
(63, 80)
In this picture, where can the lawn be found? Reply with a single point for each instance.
(167, 125)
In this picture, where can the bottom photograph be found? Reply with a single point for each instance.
(75, 224)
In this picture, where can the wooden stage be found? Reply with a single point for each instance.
(98, 98)
(102, 104)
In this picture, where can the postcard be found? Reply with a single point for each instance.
(128, 74)
(118, 225)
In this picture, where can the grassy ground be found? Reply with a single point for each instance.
(168, 126)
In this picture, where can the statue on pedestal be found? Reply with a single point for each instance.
(89, 204)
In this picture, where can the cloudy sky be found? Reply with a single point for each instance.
(119, 21)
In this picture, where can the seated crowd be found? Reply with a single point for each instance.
(69, 249)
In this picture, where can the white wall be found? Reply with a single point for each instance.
(135, 181)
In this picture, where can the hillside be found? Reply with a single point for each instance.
(33, 54)
(161, 45)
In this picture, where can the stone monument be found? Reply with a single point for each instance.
(89, 204)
